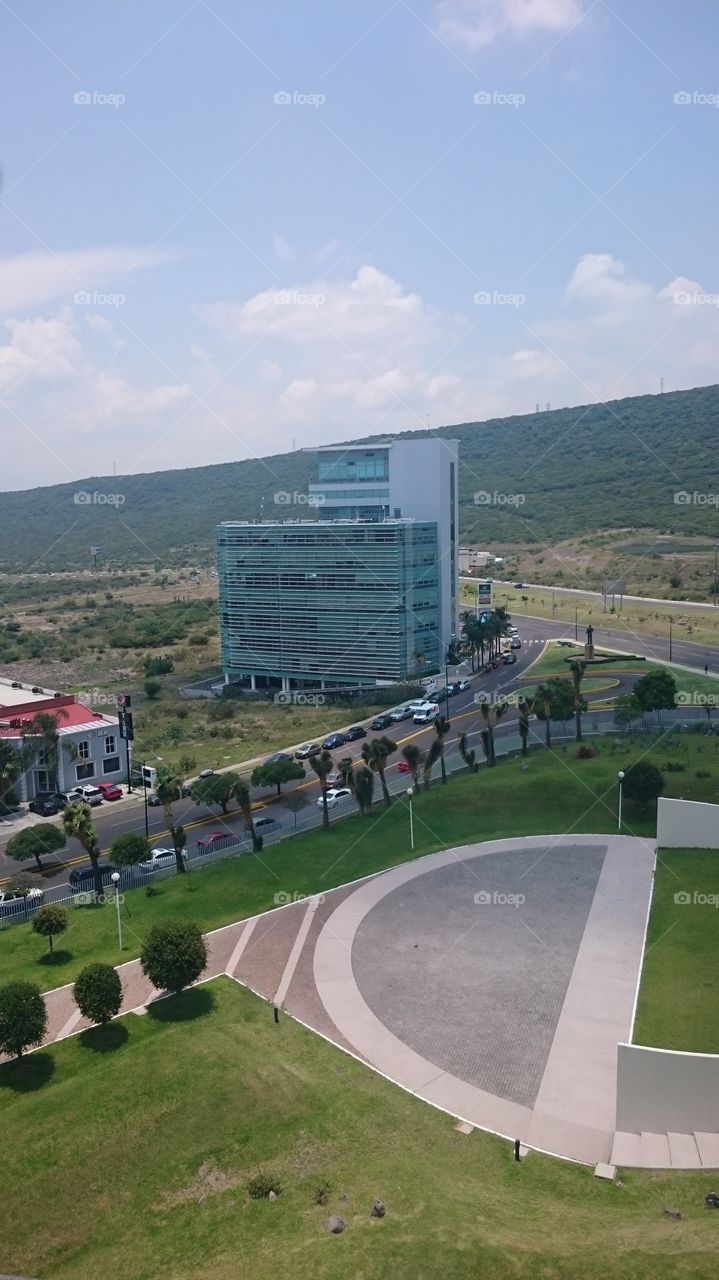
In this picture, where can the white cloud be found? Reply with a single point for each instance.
(282, 247)
(42, 349)
(30, 280)
(477, 23)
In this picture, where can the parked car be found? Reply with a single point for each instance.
(278, 757)
(403, 767)
(333, 740)
(464, 683)
(46, 803)
(187, 786)
(213, 840)
(335, 796)
(355, 732)
(381, 722)
(309, 750)
(160, 858)
(82, 878)
(401, 713)
(18, 904)
(426, 714)
(110, 790)
(509, 658)
(418, 702)
(451, 690)
(88, 795)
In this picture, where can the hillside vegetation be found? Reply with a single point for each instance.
(595, 467)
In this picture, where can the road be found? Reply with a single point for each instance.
(678, 605)
(113, 820)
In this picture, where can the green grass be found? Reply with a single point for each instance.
(553, 662)
(678, 1004)
(130, 1163)
(556, 793)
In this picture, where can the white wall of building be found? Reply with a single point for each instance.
(665, 1091)
(687, 824)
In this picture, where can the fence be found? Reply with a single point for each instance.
(507, 743)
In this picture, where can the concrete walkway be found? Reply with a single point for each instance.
(504, 1013)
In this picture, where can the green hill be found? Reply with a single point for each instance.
(600, 466)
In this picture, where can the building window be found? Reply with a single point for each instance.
(83, 750)
(84, 771)
(111, 764)
(110, 747)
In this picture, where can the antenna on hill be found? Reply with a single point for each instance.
(536, 407)
(548, 406)
(661, 386)
(428, 426)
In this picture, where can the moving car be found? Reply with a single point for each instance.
(355, 732)
(83, 878)
(464, 683)
(403, 767)
(213, 840)
(382, 722)
(110, 790)
(88, 795)
(265, 824)
(46, 803)
(310, 749)
(426, 713)
(509, 658)
(160, 858)
(187, 786)
(333, 740)
(516, 642)
(401, 713)
(519, 586)
(335, 796)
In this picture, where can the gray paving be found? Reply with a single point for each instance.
(476, 987)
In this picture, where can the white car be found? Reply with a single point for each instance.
(160, 858)
(464, 683)
(417, 705)
(88, 795)
(335, 796)
(32, 895)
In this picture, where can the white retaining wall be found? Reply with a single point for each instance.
(687, 824)
(666, 1091)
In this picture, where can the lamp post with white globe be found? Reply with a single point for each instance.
(115, 877)
(620, 776)
(410, 793)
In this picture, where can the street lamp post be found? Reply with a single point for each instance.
(410, 793)
(670, 637)
(620, 776)
(716, 584)
(446, 688)
(576, 613)
(115, 877)
(144, 796)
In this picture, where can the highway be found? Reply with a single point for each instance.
(112, 820)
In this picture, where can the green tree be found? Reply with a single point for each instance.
(168, 789)
(322, 767)
(35, 841)
(578, 668)
(656, 691)
(11, 766)
(364, 788)
(276, 772)
(218, 789)
(98, 993)
(413, 757)
(241, 792)
(375, 755)
(442, 727)
(434, 751)
(296, 801)
(152, 688)
(627, 709)
(491, 715)
(469, 756)
(23, 1018)
(129, 849)
(50, 921)
(77, 823)
(643, 783)
(41, 734)
(525, 707)
(553, 700)
(173, 954)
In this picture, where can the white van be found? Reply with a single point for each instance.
(426, 713)
(430, 684)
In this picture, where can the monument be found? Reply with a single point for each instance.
(589, 646)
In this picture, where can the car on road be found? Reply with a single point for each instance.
(46, 803)
(9, 897)
(513, 631)
(82, 878)
(189, 784)
(154, 799)
(519, 586)
(355, 732)
(110, 790)
(489, 667)
(450, 690)
(403, 767)
(310, 749)
(401, 713)
(160, 858)
(88, 795)
(335, 796)
(464, 683)
(333, 740)
(383, 721)
(426, 713)
(278, 757)
(516, 642)
(213, 840)
(509, 658)
(265, 824)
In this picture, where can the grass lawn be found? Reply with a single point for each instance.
(556, 793)
(553, 662)
(679, 995)
(129, 1160)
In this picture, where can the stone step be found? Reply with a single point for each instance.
(683, 1151)
(708, 1146)
(626, 1150)
(654, 1151)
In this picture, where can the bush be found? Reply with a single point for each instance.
(128, 849)
(23, 1017)
(152, 688)
(643, 782)
(199, 640)
(322, 1193)
(98, 992)
(173, 954)
(158, 666)
(586, 752)
(50, 921)
(260, 1186)
(674, 766)
(702, 773)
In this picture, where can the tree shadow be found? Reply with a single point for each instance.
(25, 1075)
(56, 958)
(104, 1039)
(184, 1007)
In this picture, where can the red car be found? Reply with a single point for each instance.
(403, 767)
(212, 839)
(110, 790)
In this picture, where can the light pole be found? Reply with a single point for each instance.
(670, 637)
(410, 793)
(716, 584)
(620, 776)
(144, 796)
(115, 877)
(576, 612)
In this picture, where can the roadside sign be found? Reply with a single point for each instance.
(484, 592)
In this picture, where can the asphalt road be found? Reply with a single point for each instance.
(113, 819)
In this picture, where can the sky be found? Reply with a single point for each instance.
(228, 230)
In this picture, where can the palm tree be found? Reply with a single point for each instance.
(168, 789)
(77, 821)
(543, 696)
(578, 669)
(241, 793)
(442, 727)
(430, 760)
(469, 757)
(44, 725)
(526, 707)
(11, 766)
(414, 757)
(419, 658)
(491, 716)
(364, 788)
(323, 765)
(375, 754)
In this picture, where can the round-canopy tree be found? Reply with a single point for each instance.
(34, 841)
(643, 783)
(23, 1017)
(128, 849)
(50, 921)
(98, 992)
(173, 954)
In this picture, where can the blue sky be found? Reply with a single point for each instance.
(465, 208)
